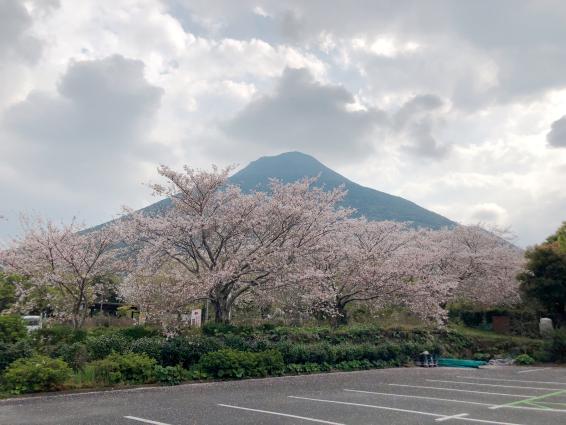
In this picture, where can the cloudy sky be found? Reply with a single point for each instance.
(459, 106)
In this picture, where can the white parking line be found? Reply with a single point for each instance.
(445, 418)
(455, 417)
(395, 409)
(304, 418)
(490, 385)
(531, 370)
(514, 380)
(421, 397)
(145, 421)
(462, 391)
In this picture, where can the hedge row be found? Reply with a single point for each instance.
(140, 355)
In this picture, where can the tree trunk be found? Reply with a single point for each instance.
(341, 317)
(222, 310)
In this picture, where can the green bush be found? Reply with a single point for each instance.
(102, 346)
(169, 375)
(227, 363)
(127, 368)
(186, 351)
(137, 332)
(557, 346)
(150, 346)
(11, 352)
(75, 354)
(48, 340)
(105, 371)
(12, 328)
(34, 374)
(524, 359)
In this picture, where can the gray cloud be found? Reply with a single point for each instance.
(522, 42)
(85, 143)
(417, 120)
(557, 134)
(16, 43)
(304, 114)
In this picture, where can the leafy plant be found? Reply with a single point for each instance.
(229, 363)
(186, 351)
(34, 374)
(12, 352)
(169, 375)
(104, 345)
(12, 328)
(129, 368)
(150, 346)
(524, 359)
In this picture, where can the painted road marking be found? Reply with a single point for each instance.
(462, 391)
(531, 370)
(445, 418)
(418, 412)
(491, 385)
(514, 380)
(145, 421)
(422, 397)
(269, 412)
(530, 401)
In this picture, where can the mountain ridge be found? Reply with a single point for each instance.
(368, 202)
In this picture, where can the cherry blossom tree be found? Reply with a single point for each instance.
(483, 264)
(217, 243)
(381, 263)
(62, 262)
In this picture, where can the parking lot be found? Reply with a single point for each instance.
(502, 395)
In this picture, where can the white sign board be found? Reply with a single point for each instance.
(196, 318)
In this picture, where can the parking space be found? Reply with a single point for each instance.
(503, 395)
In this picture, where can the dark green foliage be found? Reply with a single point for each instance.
(34, 374)
(75, 354)
(186, 351)
(137, 332)
(150, 346)
(169, 375)
(104, 345)
(127, 368)
(12, 328)
(7, 291)
(557, 346)
(524, 359)
(227, 363)
(48, 340)
(354, 365)
(11, 352)
(545, 278)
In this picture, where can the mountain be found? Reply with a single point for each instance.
(292, 166)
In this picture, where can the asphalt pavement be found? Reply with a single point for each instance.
(407, 396)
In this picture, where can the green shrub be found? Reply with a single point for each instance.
(34, 374)
(128, 368)
(186, 351)
(354, 365)
(219, 329)
(557, 346)
(105, 371)
(307, 353)
(150, 346)
(227, 363)
(75, 354)
(12, 328)
(11, 352)
(137, 332)
(102, 346)
(524, 359)
(56, 334)
(169, 375)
